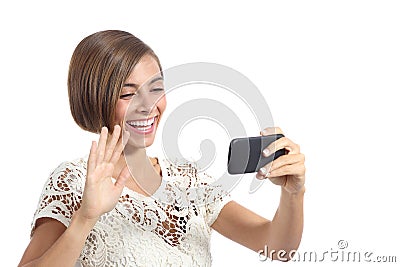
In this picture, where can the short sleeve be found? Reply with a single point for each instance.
(62, 193)
(214, 208)
(216, 198)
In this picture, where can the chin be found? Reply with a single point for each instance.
(140, 142)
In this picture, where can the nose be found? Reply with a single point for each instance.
(145, 103)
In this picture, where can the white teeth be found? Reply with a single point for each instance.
(142, 123)
(143, 128)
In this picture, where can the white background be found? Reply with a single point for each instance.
(329, 71)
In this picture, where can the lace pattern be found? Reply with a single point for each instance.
(171, 228)
(62, 194)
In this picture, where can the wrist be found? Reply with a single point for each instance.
(299, 191)
(293, 195)
(294, 189)
(82, 221)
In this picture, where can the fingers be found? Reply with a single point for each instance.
(282, 143)
(110, 148)
(125, 137)
(122, 178)
(112, 143)
(120, 147)
(296, 169)
(271, 130)
(263, 172)
(92, 157)
(287, 160)
(260, 175)
(102, 145)
(292, 158)
(284, 165)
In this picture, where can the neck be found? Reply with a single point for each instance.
(144, 176)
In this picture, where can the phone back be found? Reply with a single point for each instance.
(245, 154)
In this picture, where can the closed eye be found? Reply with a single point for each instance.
(127, 96)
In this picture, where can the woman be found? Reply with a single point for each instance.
(86, 217)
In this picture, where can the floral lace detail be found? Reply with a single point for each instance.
(170, 228)
(62, 194)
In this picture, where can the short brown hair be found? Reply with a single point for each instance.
(99, 67)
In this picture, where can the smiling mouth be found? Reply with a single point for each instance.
(143, 126)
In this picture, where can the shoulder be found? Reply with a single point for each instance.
(68, 175)
(77, 165)
(62, 192)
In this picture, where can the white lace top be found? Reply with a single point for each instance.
(170, 228)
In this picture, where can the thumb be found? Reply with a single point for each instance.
(122, 178)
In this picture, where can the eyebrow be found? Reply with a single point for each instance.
(151, 82)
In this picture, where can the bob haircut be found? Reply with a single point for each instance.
(99, 67)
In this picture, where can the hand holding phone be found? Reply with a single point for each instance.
(245, 154)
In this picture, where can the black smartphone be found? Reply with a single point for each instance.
(245, 154)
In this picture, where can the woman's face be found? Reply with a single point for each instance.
(142, 103)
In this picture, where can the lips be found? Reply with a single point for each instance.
(143, 126)
(142, 123)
